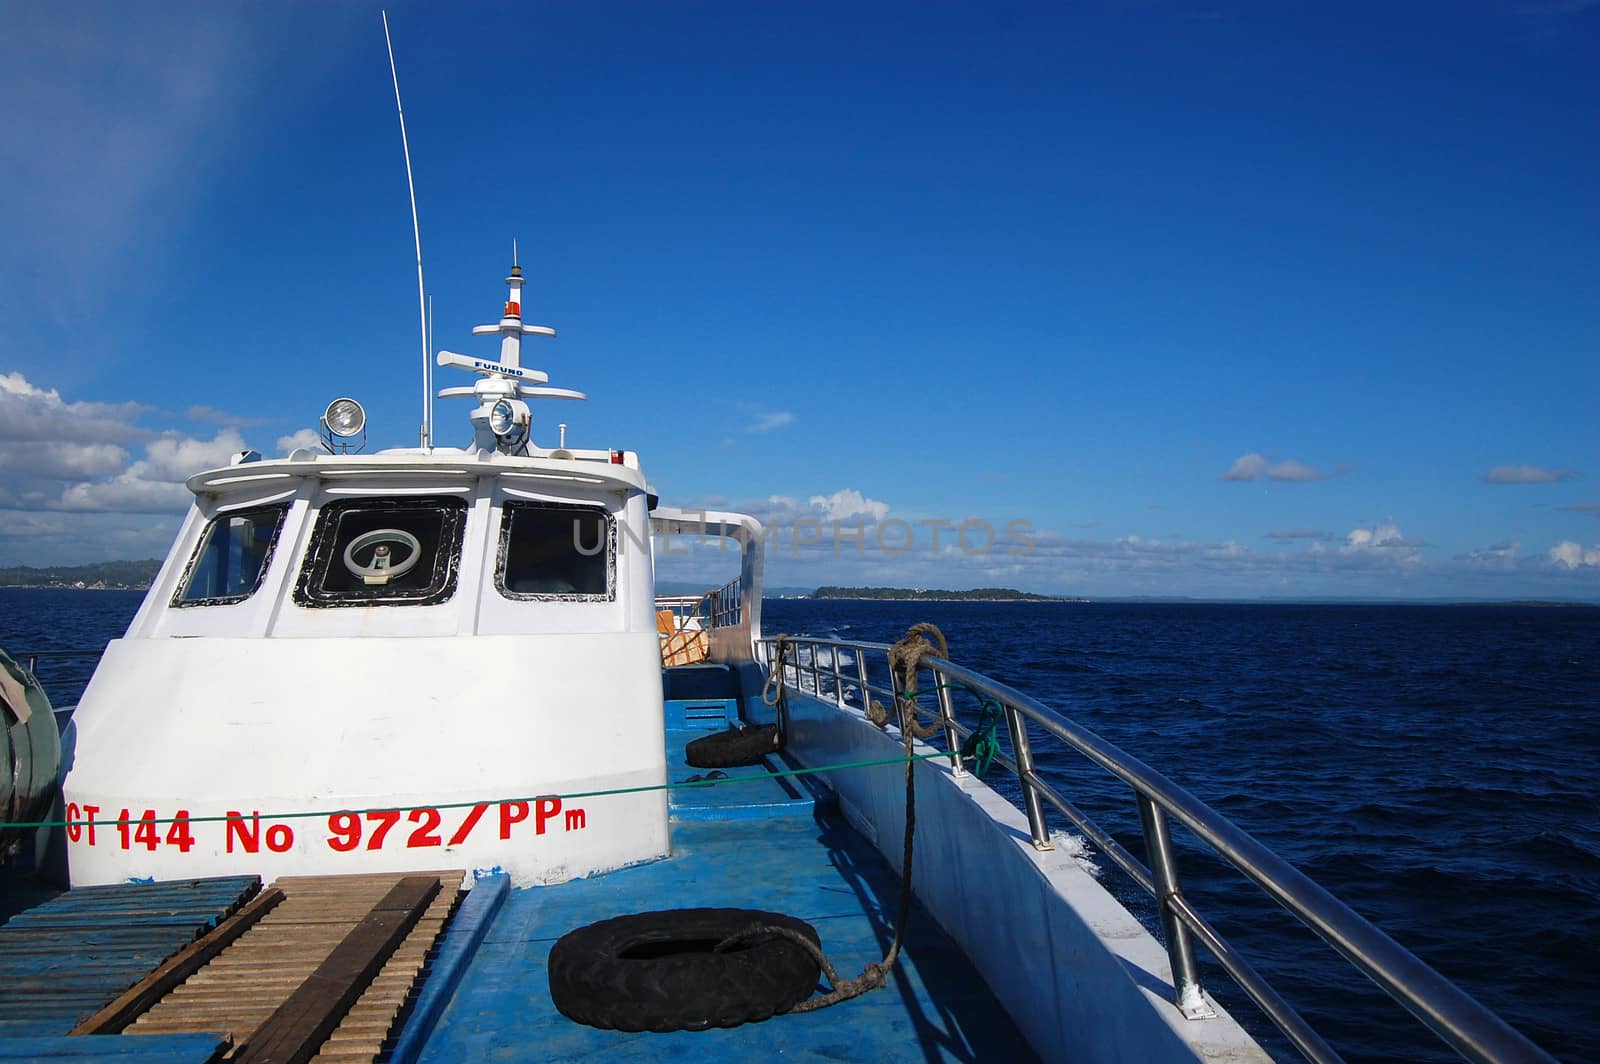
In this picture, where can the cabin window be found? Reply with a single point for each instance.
(367, 552)
(556, 552)
(232, 557)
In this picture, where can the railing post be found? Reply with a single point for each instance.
(861, 677)
(838, 679)
(1180, 950)
(1030, 797)
(894, 696)
(947, 714)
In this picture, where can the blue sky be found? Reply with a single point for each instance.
(1217, 299)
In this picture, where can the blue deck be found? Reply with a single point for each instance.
(66, 958)
(765, 845)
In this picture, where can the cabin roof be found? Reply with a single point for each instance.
(593, 469)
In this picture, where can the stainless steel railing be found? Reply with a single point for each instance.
(721, 607)
(837, 670)
(726, 604)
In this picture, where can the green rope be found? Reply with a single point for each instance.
(680, 785)
(981, 745)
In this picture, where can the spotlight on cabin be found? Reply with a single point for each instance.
(341, 423)
(344, 417)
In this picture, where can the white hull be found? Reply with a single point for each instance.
(227, 728)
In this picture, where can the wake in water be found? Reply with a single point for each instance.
(1077, 848)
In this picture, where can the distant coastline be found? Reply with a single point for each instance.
(138, 575)
(904, 594)
(99, 576)
(895, 594)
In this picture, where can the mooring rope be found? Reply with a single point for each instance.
(905, 657)
(775, 692)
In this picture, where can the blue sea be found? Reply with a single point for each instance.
(1436, 767)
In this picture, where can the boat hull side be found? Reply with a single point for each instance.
(1076, 971)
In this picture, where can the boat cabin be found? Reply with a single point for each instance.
(401, 660)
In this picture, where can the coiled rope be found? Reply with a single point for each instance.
(905, 661)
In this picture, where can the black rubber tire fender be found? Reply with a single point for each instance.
(657, 971)
(732, 748)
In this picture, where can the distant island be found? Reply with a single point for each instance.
(101, 576)
(977, 594)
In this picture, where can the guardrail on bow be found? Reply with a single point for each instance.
(837, 671)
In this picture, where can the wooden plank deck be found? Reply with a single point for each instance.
(289, 951)
(293, 1033)
(171, 973)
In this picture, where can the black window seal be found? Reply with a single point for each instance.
(320, 554)
(179, 602)
(512, 505)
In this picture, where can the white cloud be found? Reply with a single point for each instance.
(1385, 535)
(212, 415)
(1371, 561)
(760, 419)
(154, 485)
(309, 438)
(60, 461)
(1570, 555)
(79, 457)
(772, 419)
(1253, 465)
(39, 415)
(1290, 470)
(127, 494)
(848, 505)
(172, 459)
(16, 384)
(1246, 467)
(1497, 556)
(1525, 474)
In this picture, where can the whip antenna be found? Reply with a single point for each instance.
(427, 381)
(416, 234)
